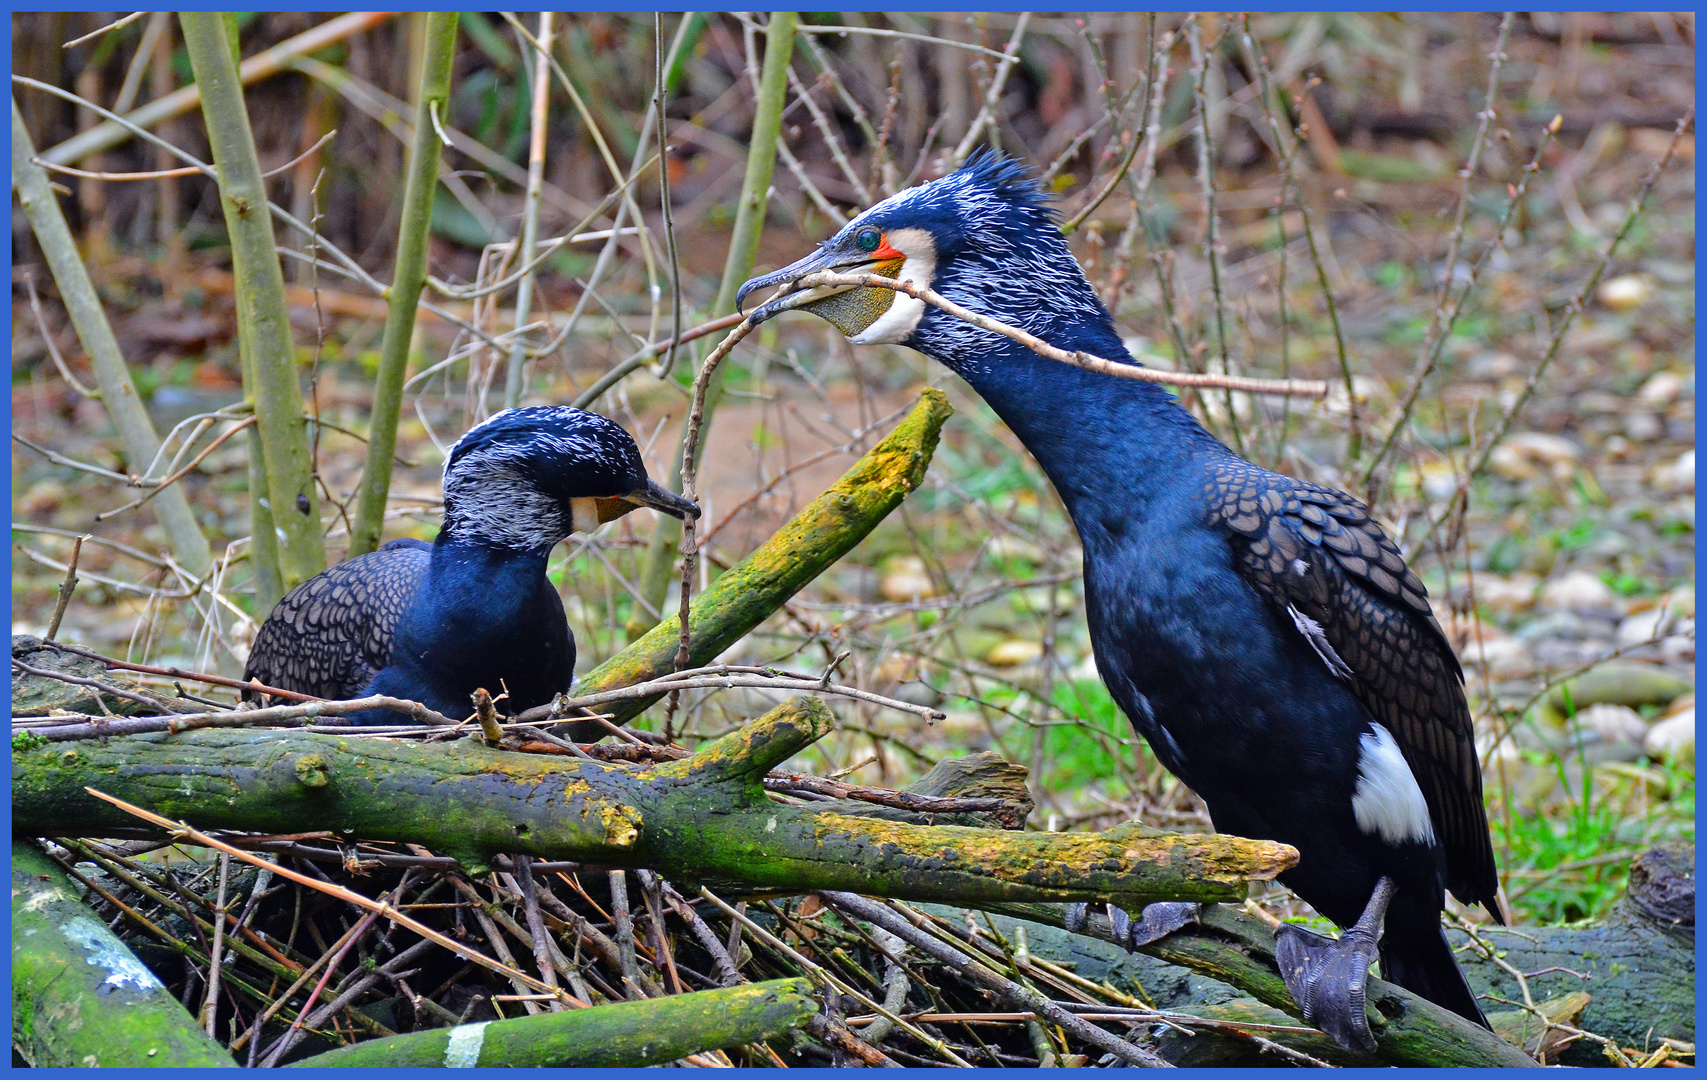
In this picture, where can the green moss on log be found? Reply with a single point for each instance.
(80, 999)
(704, 818)
(629, 1033)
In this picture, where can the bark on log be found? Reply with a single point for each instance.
(985, 774)
(80, 998)
(624, 1034)
(705, 818)
(747, 593)
(1636, 964)
(1236, 949)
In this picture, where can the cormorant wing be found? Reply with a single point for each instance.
(330, 635)
(1318, 556)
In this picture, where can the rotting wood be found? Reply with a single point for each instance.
(705, 818)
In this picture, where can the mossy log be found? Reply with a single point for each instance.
(747, 593)
(1636, 964)
(1231, 947)
(704, 818)
(80, 998)
(625, 1034)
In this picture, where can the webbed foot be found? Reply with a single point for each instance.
(1328, 977)
(1158, 921)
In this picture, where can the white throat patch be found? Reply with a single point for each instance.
(1388, 802)
(894, 325)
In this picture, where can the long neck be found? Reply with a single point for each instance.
(494, 577)
(1108, 445)
(494, 510)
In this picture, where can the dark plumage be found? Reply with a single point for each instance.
(1262, 633)
(433, 622)
(333, 633)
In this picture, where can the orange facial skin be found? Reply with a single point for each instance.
(885, 253)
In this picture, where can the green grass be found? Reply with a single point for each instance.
(1090, 751)
(1571, 861)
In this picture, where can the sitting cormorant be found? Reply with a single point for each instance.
(434, 622)
(1261, 632)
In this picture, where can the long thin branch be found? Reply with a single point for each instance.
(530, 206)
(1005, 989)
(804, 94)
(1437, 343)
(162, 485)
(1212, 225)
(179, 673)
(1078, 359)
(1441, 321)
(260, 66)
(992, 96)
(276, 715)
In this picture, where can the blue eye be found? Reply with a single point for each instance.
(868, 239)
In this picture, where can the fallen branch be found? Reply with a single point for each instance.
(624, 1033)
(66, 964)
(1234, 948)
(703, 818)
(747, 593)
(97, 727)
(262, 65)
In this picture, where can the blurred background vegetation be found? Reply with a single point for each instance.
(1572, 554)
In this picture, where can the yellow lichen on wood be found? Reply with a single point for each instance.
(756, 748)
(703, 818)
(747, 593)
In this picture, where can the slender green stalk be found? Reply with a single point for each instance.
(262, 313)
(83, 304)
(654, 580)
(407, 277)
(530, 212)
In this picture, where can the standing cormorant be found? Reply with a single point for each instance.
(1261, 632)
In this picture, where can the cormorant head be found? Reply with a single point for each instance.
(985, 237)
(526, 478)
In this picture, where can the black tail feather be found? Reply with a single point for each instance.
(1422, 962)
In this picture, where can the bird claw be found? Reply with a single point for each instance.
(1077, 913)
(1158, 921)
(1328, 979)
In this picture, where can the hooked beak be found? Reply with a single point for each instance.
(654, 495)
(850, 308)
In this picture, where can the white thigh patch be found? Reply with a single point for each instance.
(1388, 801)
